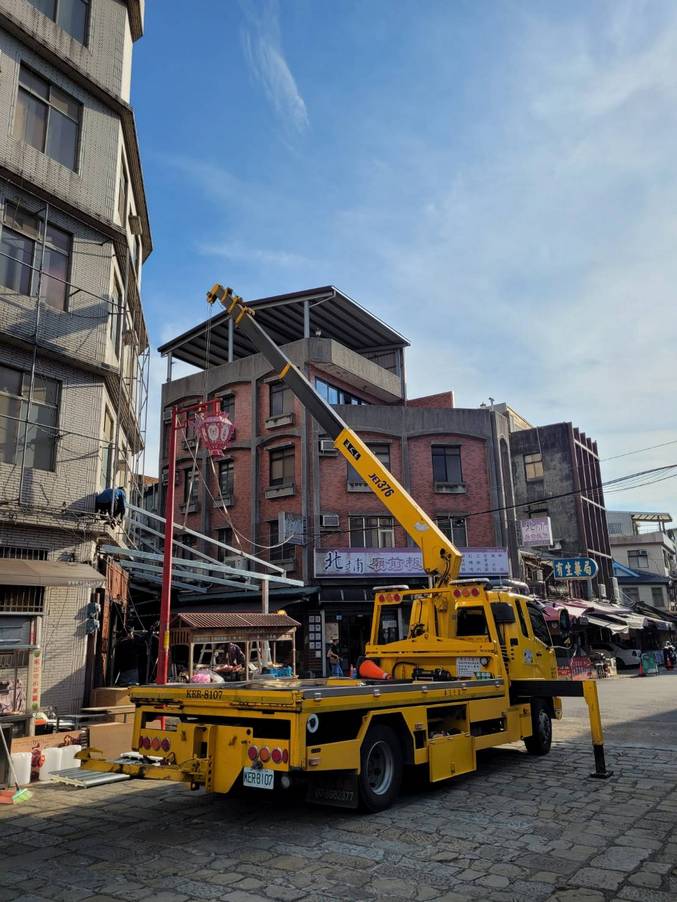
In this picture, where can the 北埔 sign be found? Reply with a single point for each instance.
(366, 562)
(574, 568)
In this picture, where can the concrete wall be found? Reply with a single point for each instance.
(63, 625)
(656, 544)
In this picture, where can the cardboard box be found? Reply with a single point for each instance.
(109, 696)
(113, 739)
(45, 741)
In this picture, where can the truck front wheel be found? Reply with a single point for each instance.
(380, 768)
(541, 726)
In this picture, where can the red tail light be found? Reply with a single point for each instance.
(165, 745)
(475, 592)
(277, 755)
(285, 756)
(144, 742)
(155, 743)
(457, 593)
(252, 753)
(264, 754)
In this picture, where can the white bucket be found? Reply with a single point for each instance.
(68, 759)
(52, 763)
(22, 767)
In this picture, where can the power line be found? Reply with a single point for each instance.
(638, 451)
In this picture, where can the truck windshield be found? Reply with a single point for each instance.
(393, 623)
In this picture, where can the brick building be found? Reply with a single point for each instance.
(282, 479)
(74, 232)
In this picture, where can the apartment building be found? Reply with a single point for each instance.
(74, 233)
(556, 474)
(645, 557)
(283, 491)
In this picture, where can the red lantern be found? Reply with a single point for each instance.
(216, 432)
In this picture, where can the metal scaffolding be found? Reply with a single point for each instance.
(29, 322)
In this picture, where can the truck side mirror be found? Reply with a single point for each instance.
(503, 612)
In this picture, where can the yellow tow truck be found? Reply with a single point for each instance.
(449, 670)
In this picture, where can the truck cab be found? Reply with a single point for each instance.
(466, 630)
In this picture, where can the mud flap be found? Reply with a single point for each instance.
(336, 788)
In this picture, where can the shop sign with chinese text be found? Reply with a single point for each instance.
(366, 562)
(536, 531)
(574, 568)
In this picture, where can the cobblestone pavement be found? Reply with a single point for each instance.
(519, 828)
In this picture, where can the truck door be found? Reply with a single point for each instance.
(544, 662)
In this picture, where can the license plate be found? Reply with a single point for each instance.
(258, 777)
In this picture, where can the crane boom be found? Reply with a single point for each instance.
(441, 559)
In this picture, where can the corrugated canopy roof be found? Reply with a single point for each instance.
(332, 313)
(211, 620)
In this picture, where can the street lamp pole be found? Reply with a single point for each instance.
(204, 411)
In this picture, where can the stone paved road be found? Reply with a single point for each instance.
(520, 828)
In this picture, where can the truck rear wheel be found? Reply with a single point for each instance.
(541, 725)
(380, 768)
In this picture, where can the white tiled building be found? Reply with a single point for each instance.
(74, 232)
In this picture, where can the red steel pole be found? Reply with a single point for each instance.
(165, 599)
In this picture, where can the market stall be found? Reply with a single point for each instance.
(211, 640)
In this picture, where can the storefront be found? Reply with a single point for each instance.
(23, 586)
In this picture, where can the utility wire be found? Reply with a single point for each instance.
(638, 451)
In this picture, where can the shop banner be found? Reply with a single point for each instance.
(367, 562)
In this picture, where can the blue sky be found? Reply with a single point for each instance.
(496, 180)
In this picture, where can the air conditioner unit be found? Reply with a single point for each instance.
(330, 521)
(327, 446)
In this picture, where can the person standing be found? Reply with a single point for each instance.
(334, 661)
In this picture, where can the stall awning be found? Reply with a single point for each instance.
(16, 572)
(606, 624)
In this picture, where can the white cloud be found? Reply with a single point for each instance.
(238, 251)
(263, 51)
(544, 271)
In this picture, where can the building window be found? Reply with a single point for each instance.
(191, 479)
(539, 626)
(107, 450)
(116, 315)
(638, 559)
(334, 395)
(228, 405)
(657, 597)
(123, 191)
(447, 464)
(372, 532)
(21, 256)
(71, 15)
(224, 535)
(454, 528)
(280, 399)
(188, 539)
(41, 431)
(279, 552)
(47, 118)
(226, 478)
(382, 452)
(282, 466)
(533, 466)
